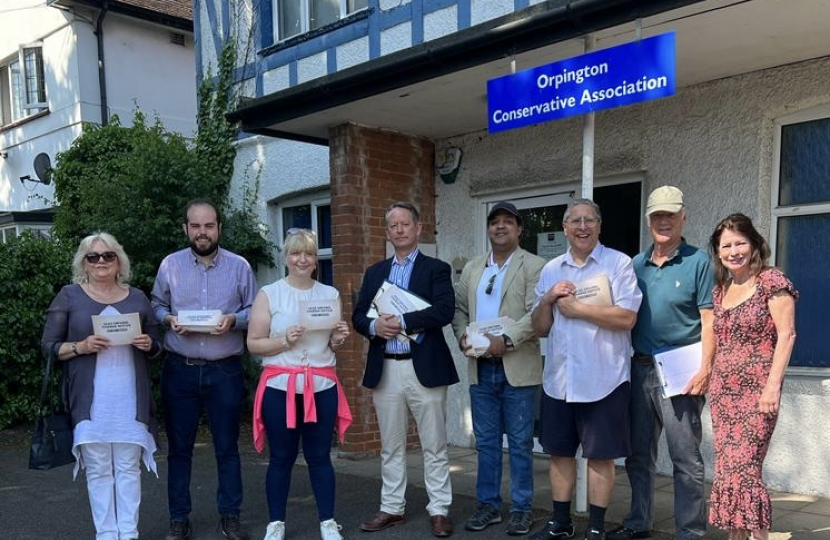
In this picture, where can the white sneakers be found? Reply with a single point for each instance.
(275, 531)
(329, 530)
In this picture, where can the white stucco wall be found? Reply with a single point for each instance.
(387, 5)
(714, 141)
(352, 53)
(311, 67)
(440, 23)
(283, 168)
(55, 30)
(144, 68)
(396, 38)
(484, 10)
(141, 65)
(275, 80)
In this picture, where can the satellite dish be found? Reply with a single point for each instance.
(43, 168)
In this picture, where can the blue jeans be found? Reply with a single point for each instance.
(185, 389)
(284, 445)
(498, 408)
(680, 417)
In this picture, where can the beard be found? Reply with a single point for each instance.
(210, 249)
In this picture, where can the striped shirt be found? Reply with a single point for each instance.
(399, 274)
(184, 283)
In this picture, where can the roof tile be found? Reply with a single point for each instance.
(175, 8)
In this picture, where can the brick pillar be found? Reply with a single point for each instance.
(370, 169)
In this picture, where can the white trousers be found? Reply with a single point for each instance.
(113, 479)
(399, 390)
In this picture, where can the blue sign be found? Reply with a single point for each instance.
(638, 71)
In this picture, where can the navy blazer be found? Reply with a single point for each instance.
(431, 280)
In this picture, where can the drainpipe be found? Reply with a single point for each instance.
(102, 81)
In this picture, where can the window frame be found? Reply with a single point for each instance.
(315, 201)
(39, 77)
(779, 212)
(17, 88)
(305, 17)
(14, 230)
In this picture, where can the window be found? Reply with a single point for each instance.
(8, 234)
(801, 226)
(22, 85)
(314, 215)
(293, 17)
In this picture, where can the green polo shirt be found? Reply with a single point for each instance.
(673, 295)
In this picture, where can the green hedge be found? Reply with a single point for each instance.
(32, 270)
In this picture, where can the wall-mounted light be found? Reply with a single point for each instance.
(448, 163)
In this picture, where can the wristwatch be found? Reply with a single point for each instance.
(507, 341)
(75, 348)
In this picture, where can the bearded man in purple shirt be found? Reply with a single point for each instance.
(203, 368)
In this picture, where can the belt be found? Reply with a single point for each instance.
(392, 356)
(494, 360)
(643, 358)
(188, 361)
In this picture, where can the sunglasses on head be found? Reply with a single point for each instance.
(93, 257)
(299, 230)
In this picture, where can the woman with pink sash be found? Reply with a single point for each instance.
(299, 398)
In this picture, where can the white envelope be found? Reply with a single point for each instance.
(319, 314)
(476, 330)
(203, 321)
(120, 328)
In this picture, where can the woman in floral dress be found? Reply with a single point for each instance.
(754, 326)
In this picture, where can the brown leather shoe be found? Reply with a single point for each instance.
(441, 526)
(382, 520)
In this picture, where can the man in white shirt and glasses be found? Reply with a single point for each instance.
(587, 368)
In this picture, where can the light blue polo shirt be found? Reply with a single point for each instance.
(673, 295)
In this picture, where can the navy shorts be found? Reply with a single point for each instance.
(602, 427)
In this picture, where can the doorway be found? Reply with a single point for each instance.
(543, 235)
(621, 206)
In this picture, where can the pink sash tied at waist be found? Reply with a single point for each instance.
(344, 414)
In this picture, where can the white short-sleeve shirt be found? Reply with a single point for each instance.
(584, 362)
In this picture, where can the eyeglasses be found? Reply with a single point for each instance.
(490, 284)
(93, 257)
(589, 222)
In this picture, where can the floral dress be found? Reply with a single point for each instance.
(745, 335)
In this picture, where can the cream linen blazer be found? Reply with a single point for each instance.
(523, 364)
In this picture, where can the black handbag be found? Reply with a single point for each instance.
(52, 437)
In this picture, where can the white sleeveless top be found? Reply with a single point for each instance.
(312, 349)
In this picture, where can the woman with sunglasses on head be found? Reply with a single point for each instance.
(106, 386)
(754, 308)
(299, 396)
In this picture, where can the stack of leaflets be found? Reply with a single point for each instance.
(391, 299)
(676, 367)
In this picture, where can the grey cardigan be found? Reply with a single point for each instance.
(69, 319)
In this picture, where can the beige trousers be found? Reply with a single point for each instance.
(400, 391)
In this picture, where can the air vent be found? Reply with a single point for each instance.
(177, 39)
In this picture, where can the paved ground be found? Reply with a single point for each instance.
(49, 505)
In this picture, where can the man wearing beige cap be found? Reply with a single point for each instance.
(676, 281)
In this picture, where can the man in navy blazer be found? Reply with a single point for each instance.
(407, 374)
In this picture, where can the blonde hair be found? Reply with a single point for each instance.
(79, 274)
(299, 241)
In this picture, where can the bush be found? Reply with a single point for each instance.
(32, 271)
(131, 182)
